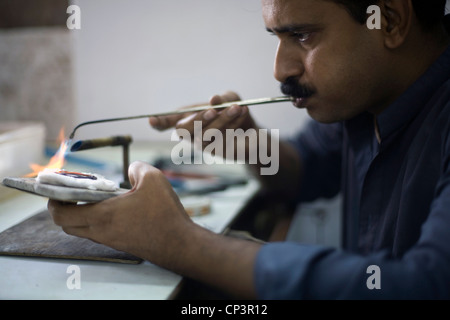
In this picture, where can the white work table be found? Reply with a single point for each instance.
(46, 278)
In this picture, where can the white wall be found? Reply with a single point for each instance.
(145, 56)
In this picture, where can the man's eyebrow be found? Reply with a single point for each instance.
(293, 28)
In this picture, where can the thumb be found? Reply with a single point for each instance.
(137, 171)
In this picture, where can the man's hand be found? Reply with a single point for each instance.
(233, 117)
(145, 221)
(150, 222)
(236, 117)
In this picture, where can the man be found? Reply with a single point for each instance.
(380, 100)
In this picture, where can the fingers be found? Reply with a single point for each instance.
(90, 221)
(94, 220)
(163, 123)
(228, 96)
(89, 215)
(70, 217)
(229, 118)
(150, 213)
(137, 171)
(226, 119)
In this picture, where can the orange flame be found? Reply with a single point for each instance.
(56, 162)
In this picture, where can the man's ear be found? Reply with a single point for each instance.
(396, 21)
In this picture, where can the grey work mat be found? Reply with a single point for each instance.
(38, 236)
(61, 193)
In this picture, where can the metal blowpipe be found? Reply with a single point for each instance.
(249, 102)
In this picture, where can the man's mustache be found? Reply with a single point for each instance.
(291, 87)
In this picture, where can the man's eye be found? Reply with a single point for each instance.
(302, 37)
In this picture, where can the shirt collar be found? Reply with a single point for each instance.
(408, 105)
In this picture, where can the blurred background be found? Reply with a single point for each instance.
(133, 57)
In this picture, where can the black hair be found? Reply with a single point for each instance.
(429, 13)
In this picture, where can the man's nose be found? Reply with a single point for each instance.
(288, 63)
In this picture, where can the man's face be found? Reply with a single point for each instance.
(332, 64)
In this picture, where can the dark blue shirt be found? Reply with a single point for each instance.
(396, 195)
